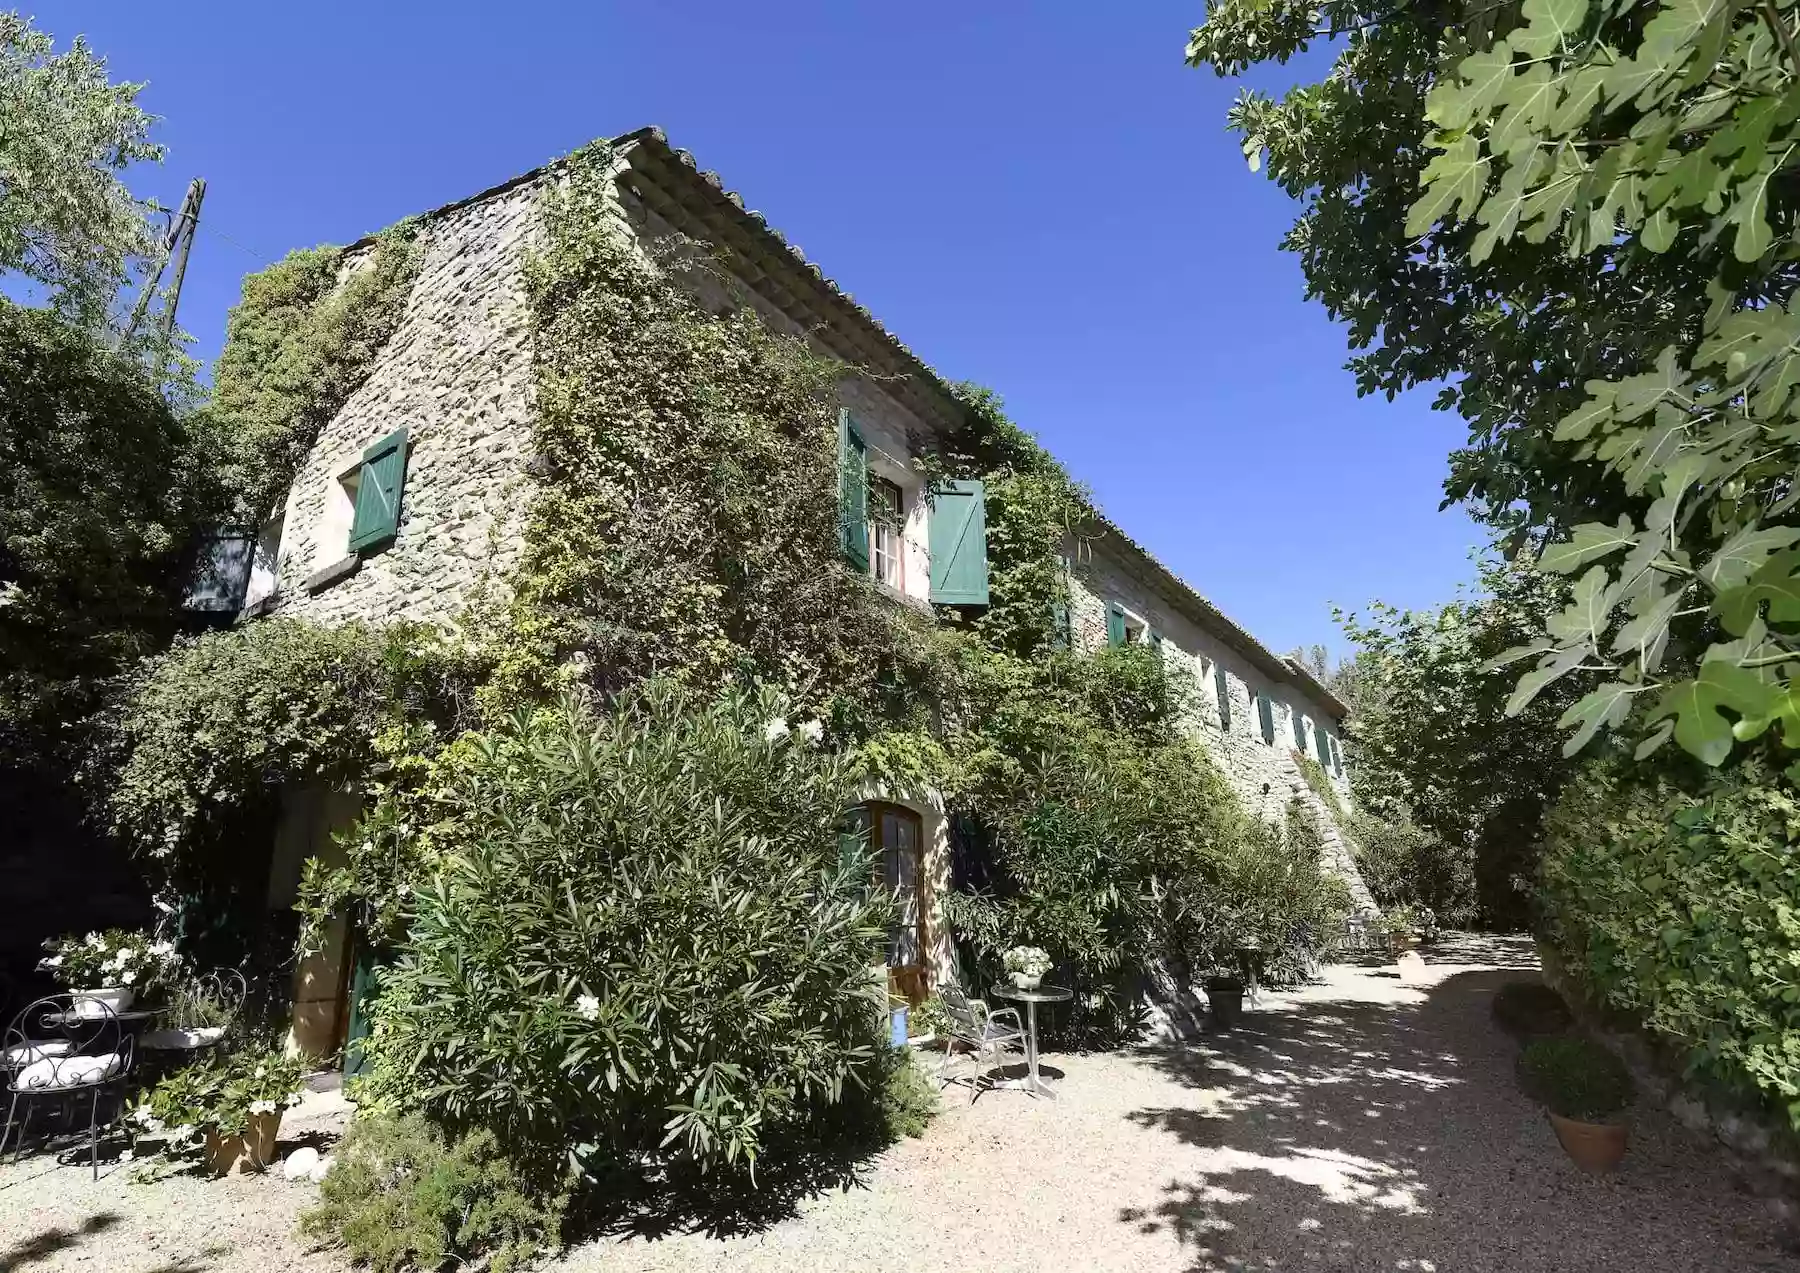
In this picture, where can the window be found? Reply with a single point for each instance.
(373, 490)
(1125, 628)
(887, 545)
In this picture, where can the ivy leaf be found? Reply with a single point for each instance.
(1453, 184)
(1548, 25)
(1553, 668)
(1607, 706)
(1654, 740)
(1701, 728)
(1597, 409)
(1590, 542)
(1774, 581)
(1744, 554)
(1509, 657)
(1750, 213)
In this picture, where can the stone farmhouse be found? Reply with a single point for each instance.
(415, 493)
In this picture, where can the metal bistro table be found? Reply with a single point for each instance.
(1031, 999)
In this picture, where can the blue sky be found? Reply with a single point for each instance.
(1040, 198)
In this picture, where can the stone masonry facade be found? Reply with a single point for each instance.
(457, 376)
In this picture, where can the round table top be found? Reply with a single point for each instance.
(1043, 994)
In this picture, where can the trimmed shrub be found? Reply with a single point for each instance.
(1530, 1009)
(1576, 1078)
(398, 1197)
(1673, 892)
(641, 941)
(909, 1097)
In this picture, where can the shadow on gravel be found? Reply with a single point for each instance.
(52, 1241)
(1356, 1135)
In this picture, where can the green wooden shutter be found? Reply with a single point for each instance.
(1154, 638)
(1322, 746)
(1060, 633)
(1299, 730)
(959, 565)
(853, 491)
(364, 981)
(1337, 755)
(377, 516)
(1115, 623)
(1266, 710)
(1223, 683)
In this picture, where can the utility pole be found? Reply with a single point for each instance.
(177, 242)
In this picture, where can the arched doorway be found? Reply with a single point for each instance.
(897, 860)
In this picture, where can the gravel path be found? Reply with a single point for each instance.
(1371, 1123)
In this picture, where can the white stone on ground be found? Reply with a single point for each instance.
(1371, 1123)
(300, 1164)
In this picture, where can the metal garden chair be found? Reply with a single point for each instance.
(987, 1031)
(56, 1049)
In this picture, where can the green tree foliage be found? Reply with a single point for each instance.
(103, 487)
(1451, 788)
(67, 223)
(1670, 889)
(637, 931)
(1628, 166)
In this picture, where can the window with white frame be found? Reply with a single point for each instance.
(887, 541)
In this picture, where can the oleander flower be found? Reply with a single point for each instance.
(812, 731)
(262, 1107)
(588, 1006)
(775, 730)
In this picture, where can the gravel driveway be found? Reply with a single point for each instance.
(1371, 1123)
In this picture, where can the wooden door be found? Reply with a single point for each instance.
(897, 843)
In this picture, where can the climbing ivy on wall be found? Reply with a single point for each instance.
(686, 520)
(297, 345)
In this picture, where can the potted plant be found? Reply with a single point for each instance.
(1400, 925)
(1586, 1089)
(1225, 996)
(108, 968)
(232, 1103)
(1026, 966)
(930, 1020)
(198, 1013)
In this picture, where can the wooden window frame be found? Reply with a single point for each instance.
(887, 539)
(911, 980)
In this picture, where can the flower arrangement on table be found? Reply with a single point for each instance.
(117, 963)
(236, 1097)
(1026, 966)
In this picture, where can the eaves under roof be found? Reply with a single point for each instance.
(705, 194)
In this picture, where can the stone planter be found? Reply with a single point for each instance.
(243, 1153)
(88, 1002)
(1594, 1147)
(1025, 980)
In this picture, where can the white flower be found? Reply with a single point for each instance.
(262, 1107)
(162, 949)
(588, 1006)
(775, 730)
(261, 1070)
(54, 961)
(813, 730)
(94, 940)
(127, 977)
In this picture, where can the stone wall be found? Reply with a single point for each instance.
(457, 375)
(1265, 776)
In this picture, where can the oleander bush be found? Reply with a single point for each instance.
(1673, 892)
(639, 942)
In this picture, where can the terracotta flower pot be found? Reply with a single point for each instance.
(242, 1153)
(1594, 1147)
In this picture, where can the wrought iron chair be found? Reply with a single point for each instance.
(986, 1031)
(57, 1048)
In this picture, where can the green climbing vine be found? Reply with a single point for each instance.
(300, 341)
